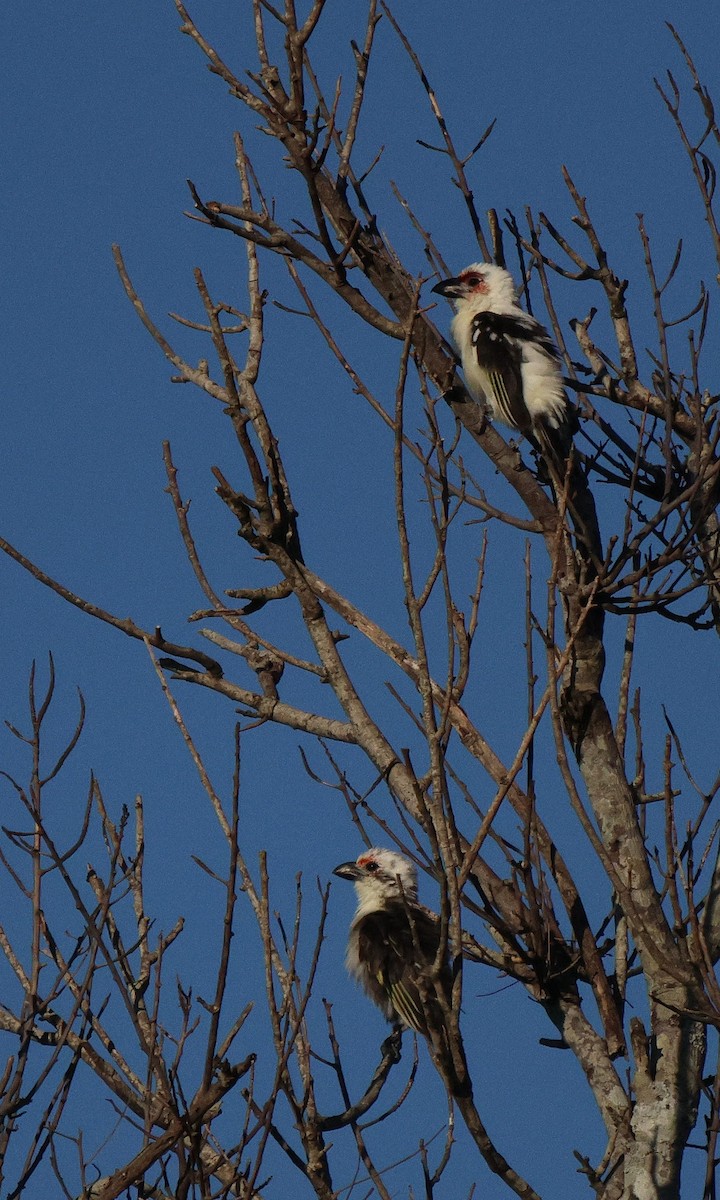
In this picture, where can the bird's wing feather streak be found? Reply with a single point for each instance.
(407, 1005)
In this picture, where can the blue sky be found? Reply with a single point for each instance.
(107, 111)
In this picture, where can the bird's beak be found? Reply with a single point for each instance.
(452, 287)
(348, 870)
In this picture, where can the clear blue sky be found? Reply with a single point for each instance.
(107, 110)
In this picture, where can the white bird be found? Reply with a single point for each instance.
(394, 940)
(509, 360)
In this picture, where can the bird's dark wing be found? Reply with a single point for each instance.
(395, 956)
(524, 328)
(499, 354)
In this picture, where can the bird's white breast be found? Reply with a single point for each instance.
(475, 377)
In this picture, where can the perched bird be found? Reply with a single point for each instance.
(509, 360)
(394, 941)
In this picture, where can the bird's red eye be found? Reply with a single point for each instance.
(472, 280)
(370, 865)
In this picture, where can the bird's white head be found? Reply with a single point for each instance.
(481, 286)
(380, 876)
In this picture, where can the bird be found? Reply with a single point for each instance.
(393, 942)
(509, 360)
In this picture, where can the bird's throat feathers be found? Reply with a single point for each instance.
(373, 895)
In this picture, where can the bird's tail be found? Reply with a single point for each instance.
(446, 1045)
(554, 443)
(561, 469)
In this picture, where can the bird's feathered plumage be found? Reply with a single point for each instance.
(509, 360)
(393, 941)
(391, 955)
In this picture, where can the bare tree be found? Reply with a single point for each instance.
(631, 994)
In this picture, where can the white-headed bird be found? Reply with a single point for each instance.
(394, 940)
(509, 360)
